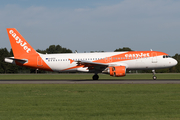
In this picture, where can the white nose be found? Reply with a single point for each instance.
(174, 62)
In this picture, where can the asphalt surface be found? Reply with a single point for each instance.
(89, 81)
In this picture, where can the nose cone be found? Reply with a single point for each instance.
(173, 62)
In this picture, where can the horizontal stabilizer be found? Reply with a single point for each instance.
(14, 60)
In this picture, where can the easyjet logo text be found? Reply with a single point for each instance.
(138, 55)
(20, 42)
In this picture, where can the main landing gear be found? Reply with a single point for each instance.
(95, 77)
(154, 77)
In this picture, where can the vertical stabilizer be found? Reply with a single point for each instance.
(19, 45)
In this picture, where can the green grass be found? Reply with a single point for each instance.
(89, 102)
(85, 76)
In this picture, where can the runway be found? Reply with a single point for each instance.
(89, 81)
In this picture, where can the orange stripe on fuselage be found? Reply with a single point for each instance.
(131, 55)
(73, 67)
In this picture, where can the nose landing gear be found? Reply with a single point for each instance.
(154, 77)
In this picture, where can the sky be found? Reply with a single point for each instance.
(94, 25)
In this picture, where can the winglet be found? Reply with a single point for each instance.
(19, 45)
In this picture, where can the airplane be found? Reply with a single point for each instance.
(113, 63)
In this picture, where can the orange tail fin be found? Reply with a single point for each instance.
(19, 45)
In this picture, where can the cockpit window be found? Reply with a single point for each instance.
(166, 56)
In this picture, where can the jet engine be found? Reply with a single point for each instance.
(117, 71)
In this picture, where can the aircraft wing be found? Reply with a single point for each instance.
(90, 63)
(97, 64)
(92, 66)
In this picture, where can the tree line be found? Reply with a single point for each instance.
(11, 68)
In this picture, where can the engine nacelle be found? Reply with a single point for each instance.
(117, 71)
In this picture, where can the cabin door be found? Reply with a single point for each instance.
(39, 61)
(154, 57)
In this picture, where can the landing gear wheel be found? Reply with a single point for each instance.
(154, 77)
(95, 77)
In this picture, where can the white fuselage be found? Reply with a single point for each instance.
(61, 62)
